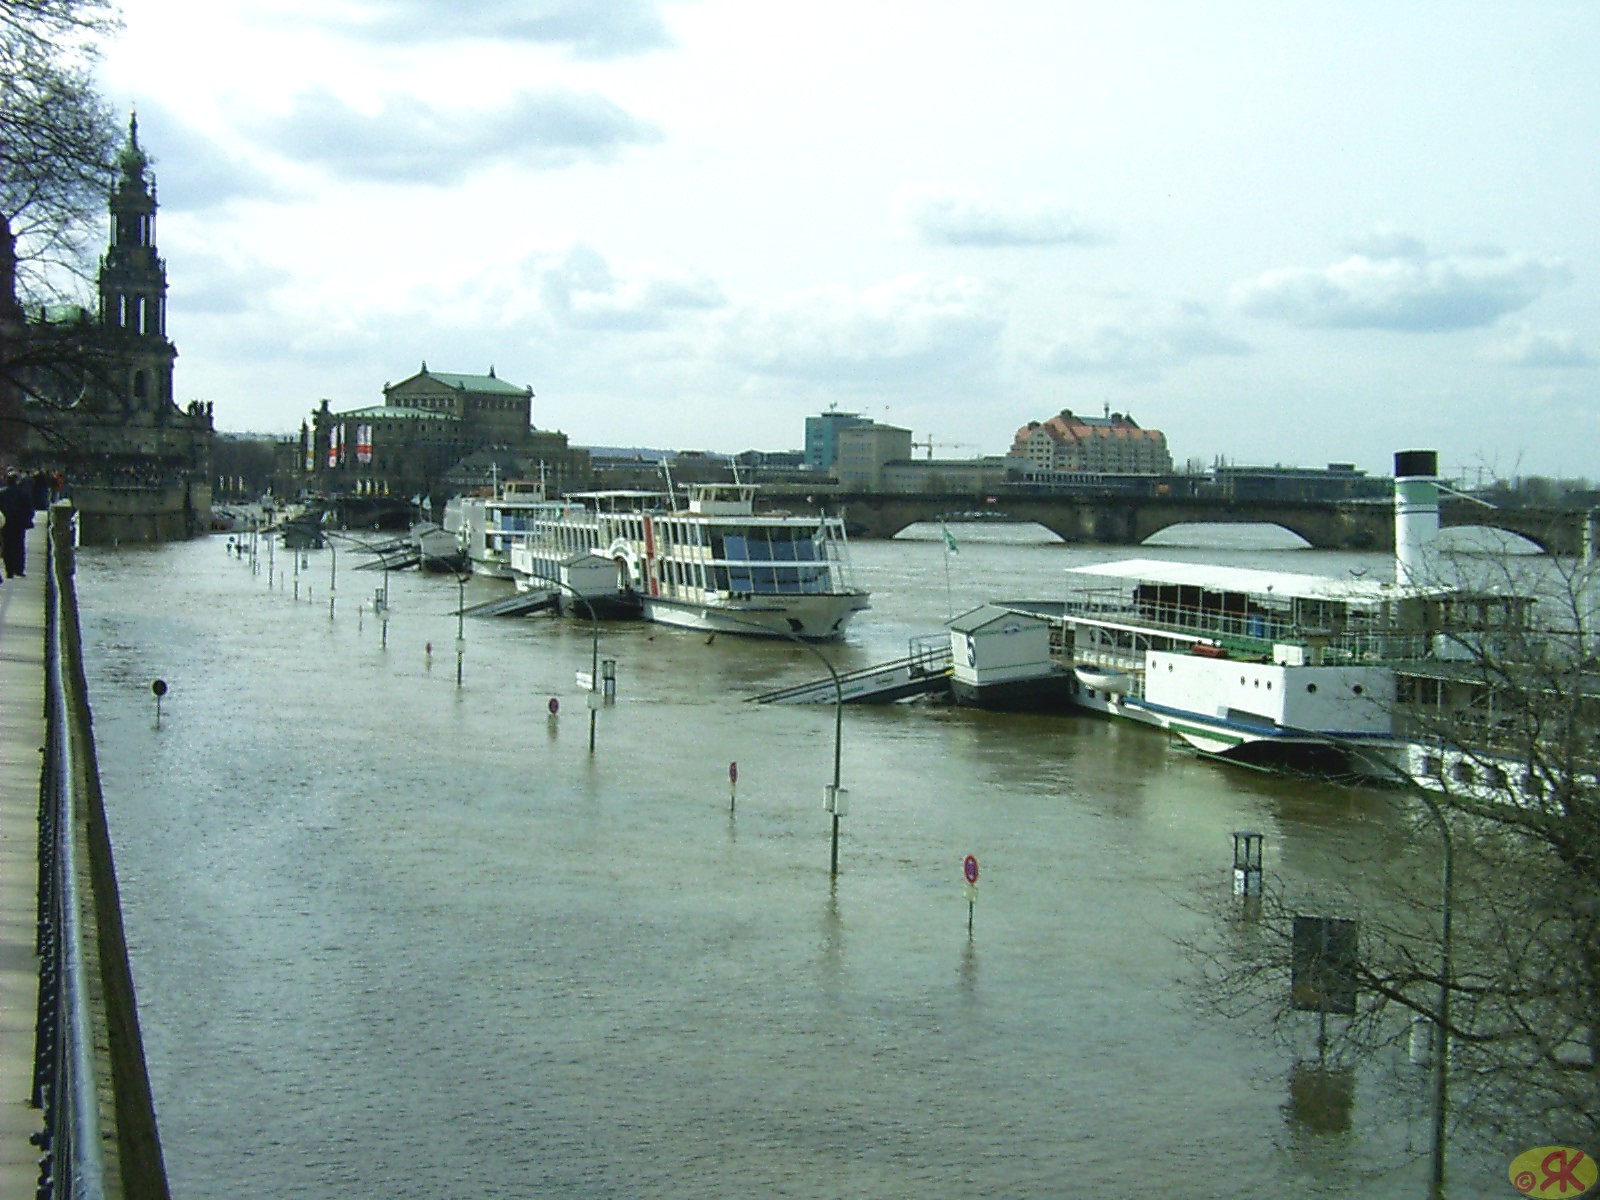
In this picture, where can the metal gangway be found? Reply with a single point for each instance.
(394, 555)
(925, 671)
(516, 605)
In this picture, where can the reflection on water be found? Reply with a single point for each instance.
(395, 938)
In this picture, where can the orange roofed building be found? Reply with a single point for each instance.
(1109, 445)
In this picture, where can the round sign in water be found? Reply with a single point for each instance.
(971, 868)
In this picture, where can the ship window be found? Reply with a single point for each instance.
(1464, 772)
(1311, 688)
(1359, 690)
(1432, 767)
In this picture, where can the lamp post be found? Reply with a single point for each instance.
(461, 577)
(461, 631)
(1441, 1020)
(834, 801)
(594, 645)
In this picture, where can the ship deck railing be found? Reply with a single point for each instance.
(1254, 635)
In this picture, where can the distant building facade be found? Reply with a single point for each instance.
(138, 467)
(1067, 443)
(822, 437)
(431, 434)
(1336, 481)
(863, 449)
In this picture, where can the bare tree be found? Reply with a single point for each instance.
(57, 142)
(1486, 920)
(57, 138)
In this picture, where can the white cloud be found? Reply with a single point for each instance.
(409, 140)
(1140, 339)
(944, 217)
(1395, 283)
(1528, 347)
(914, 327)
(195, 171)
(589, 30)
(378, 181)
(582, 292)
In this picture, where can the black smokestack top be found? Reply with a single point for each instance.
(1409, 464)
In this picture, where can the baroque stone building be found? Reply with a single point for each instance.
(102, 409)
(415, 442)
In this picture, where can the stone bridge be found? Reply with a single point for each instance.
(1130, 520)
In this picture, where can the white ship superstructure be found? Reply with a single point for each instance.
(1275, 667)
(713, 564)
(488, 526)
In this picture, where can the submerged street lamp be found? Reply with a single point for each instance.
(835, 799)
(594, 698)
(461, 631)
(1441, 1015)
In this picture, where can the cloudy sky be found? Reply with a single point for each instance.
(1281, 233)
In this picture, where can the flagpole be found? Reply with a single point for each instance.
(945, 540)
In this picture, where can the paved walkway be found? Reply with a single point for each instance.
(21, 737)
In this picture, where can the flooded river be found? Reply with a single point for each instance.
(395, 938)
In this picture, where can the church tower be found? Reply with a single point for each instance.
(133, 290)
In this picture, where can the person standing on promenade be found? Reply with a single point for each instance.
(16, 505)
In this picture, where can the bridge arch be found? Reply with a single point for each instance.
(1116, 520)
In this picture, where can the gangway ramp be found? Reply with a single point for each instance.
(517, 605)
(393, 555)
(923, 672)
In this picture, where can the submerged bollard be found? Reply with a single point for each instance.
(1247, 863)
(969, 868)
(733, 783)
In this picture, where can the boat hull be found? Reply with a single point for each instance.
(816, 618)
(1041, 693)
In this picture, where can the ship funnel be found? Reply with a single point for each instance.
(1416, 513)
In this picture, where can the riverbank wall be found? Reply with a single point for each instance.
(75, 1103)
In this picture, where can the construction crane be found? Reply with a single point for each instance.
(928, 444)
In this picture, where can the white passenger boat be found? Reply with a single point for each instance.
(486, 527)
(1279, 668)
(438, 549)
(713, 564)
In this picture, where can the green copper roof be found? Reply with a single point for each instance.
(477, 383)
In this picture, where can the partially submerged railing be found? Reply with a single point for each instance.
(89, 1057)
(63, 1066)
(927, 664)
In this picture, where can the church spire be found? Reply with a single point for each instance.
(133, 159)
(133, 281)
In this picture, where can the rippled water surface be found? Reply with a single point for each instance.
(396, 938)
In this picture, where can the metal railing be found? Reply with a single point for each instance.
(99, 1132)
(64, 1082)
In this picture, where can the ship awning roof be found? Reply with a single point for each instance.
(1282, 585)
